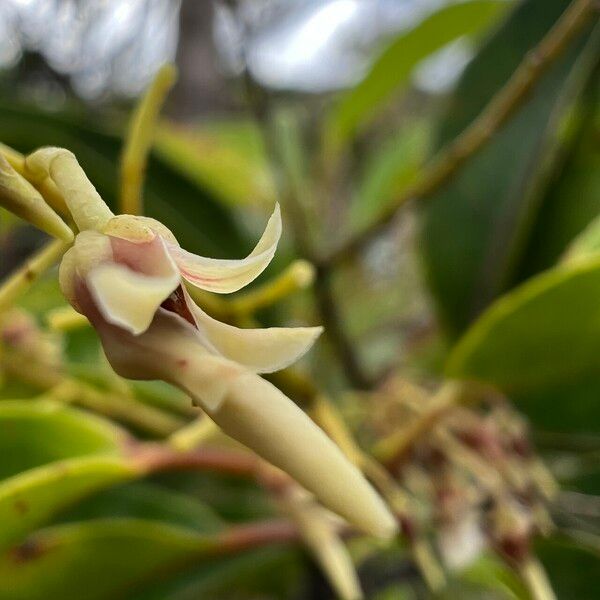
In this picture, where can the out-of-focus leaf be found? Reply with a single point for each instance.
(488, 575)
(31, 498)
(541, 343)
(142, 500)
(574, 570)
(265, 571)
(226, 157)
(573, 198)
(33, 433)
(201, 223)
(388, 171)
(43, 295)
(394, 67)
(234, 499)
(95, 559)
(475, 228)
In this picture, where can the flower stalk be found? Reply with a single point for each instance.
(20, 281)
(139, 139)
(129, 277)
(20, 197)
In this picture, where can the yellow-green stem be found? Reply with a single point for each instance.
(20, 281)
(139, 140)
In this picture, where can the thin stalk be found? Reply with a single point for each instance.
(139, 140)
(296, 277)
(20, 281)
(65, 319)
(125, 409)
(536, 580)
(392, 450)
(194, 434)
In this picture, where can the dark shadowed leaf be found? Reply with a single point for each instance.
(142, 500)
(95, 559)
(574, 570)
(573, 198)
(475, 228)
(202, 224)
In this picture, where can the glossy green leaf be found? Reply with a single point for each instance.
(541, 343)
(476, 227)
(31, 498)
(543, 332)
(96, 559)
(33, 433)
(393, 68)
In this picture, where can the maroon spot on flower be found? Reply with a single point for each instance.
(176, 303)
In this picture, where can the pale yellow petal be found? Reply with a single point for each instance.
(67, 274)
(89, 250)
(257, 414)
(250, 410)
(127, 298)
(261, 350)
(137, 229)
(224, 276)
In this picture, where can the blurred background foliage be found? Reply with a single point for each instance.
(335, 108)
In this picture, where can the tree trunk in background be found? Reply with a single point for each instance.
(202, 87)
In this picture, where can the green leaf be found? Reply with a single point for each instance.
(96, 559)
(273, 571)
(389, 170)
(142, 500)
(34, 432)
(201, 223)
(574, 570)
(31, 498)
(475, 228)
(393, 68)
(488, 575)
(209, 155)
(572, 201)
(541, 343)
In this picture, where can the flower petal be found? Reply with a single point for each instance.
(126, 298)
(246, 407)
(257, 414)
(260, 350)
(129, 291)
(224, 276)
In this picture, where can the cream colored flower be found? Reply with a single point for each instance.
(128, 275)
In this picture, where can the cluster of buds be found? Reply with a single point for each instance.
(473, 478)
(129, 276)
